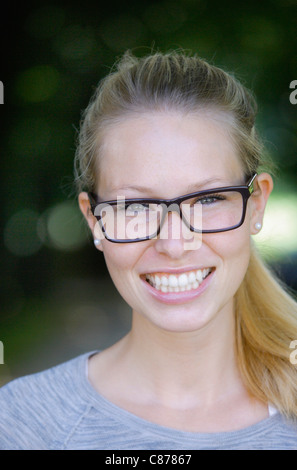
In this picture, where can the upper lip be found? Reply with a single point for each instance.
(177, 270)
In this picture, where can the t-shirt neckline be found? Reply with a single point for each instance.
(103, 405)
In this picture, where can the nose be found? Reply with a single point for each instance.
(175, 237)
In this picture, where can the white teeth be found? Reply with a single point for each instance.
(199, 276)
(192, 277)
(180, 282)
(183, 280)
(164, 281)
(173, 282)
(157, 280)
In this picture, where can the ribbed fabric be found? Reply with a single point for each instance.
(59, 409)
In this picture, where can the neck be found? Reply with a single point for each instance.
(199, 365)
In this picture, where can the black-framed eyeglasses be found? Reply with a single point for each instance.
(208, 211)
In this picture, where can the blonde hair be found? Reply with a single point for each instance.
(266, 315)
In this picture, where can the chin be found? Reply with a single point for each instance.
(181, 319)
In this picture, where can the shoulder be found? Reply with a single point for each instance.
(285, 433)
(37, 407)
(275, 433)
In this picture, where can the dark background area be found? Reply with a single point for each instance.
(56, 297)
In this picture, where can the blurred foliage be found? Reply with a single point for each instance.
(52, 56)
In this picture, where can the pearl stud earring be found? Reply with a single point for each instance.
(258, 225)
(97, 242)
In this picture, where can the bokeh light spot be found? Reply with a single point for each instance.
(260, 34)
(78, 48)
(75, 42)
(65, 228)
(37, 84)
(20, 233)
(278, 235)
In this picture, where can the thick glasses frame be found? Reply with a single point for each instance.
(245, 191)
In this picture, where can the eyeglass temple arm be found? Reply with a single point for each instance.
(93, 199)
(250, 183)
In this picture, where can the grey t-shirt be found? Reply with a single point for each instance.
(59, 409)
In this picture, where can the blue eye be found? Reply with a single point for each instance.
(210, 199)
(136, 208)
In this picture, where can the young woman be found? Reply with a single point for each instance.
(170, 177)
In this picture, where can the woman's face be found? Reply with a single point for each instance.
(166, 155)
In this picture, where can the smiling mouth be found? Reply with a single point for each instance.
(181, 282)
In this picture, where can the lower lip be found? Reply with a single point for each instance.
(179, 297)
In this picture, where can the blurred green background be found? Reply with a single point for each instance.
(57, 300)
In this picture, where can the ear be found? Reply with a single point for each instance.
(85, 207)
(263, 186)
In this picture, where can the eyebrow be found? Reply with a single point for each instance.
(189, 189)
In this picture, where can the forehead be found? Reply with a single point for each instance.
(166, 152)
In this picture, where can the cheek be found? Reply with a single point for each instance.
(233, 249)
(120, 259)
